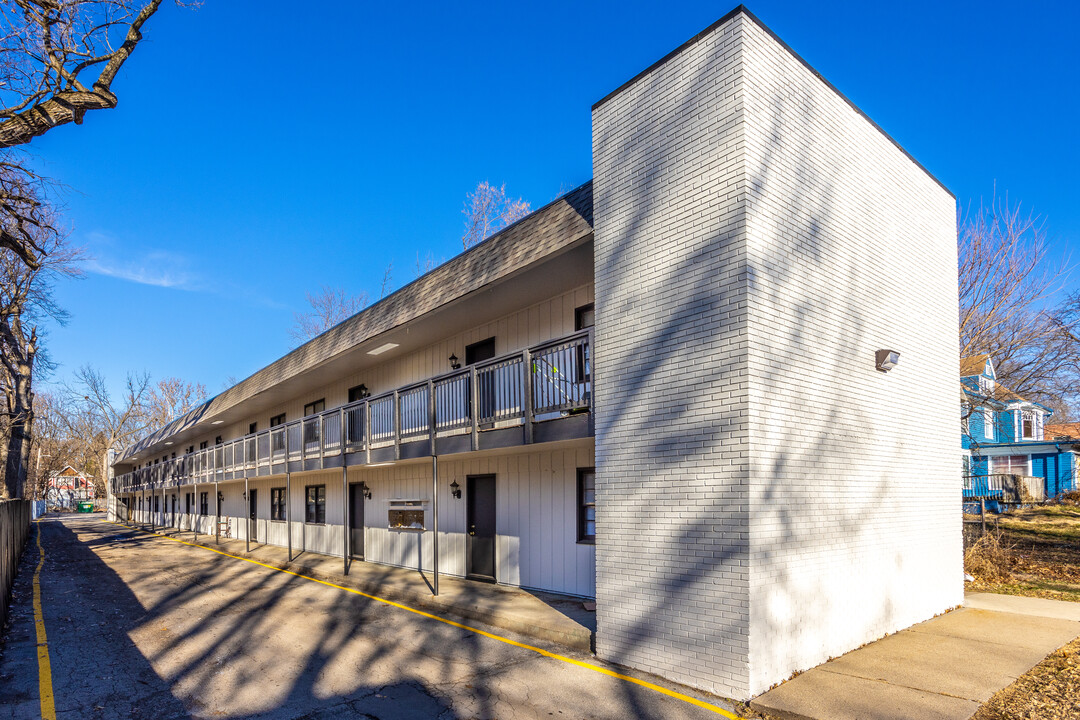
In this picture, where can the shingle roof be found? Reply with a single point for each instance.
(556, 225)
(973, 365)
(1062, 430)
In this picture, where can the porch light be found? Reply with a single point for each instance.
(455, 490)
(220, 496)
(887, 360)
(365, 489)
(454, 364)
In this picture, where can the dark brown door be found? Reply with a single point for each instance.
(485, 381)
(356, 521)
(253, 505)
(480, 528)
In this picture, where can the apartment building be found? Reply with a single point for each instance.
(688, 389)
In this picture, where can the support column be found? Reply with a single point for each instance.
(217, 513)
(195, 514)
(247, 516)
(345, 516)
(288, 505)
(435, 521)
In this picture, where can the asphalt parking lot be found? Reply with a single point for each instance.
(140, 626)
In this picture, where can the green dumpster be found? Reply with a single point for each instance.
(86, 506)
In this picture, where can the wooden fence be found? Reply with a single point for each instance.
(14, 529)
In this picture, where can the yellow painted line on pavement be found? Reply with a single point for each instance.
(45, 688)
(540, 651)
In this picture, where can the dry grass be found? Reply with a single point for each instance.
(1049, 691)
(1033, 552)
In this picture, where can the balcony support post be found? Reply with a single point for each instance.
(527, 395)
(474, 408)
(435, 523)
(396, 415)
(217, 513)
(247, 529)
(431, 415)
(195, 514)
(367, 432)
(288, 496)
(345, 518)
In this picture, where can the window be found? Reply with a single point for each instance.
(314, 407)
(988, 423)
(480, 351)
(190, 449)
(187, 503)
(1027, 425)
(203, 444)
(584, 317)
(316, 504)
(358, 393)
(204, 503)
(965, 415)
(217, 440)
(1009, 465)
(277, 503)
(986, 386)
(277, 420)
(252, 428)
(586, 512)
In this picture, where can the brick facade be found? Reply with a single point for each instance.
(757, 240)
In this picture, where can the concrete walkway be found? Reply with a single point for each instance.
(545, 616)
(942, 669)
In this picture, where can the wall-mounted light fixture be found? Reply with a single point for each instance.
(455, 490)
(362, 392)
(244, 494)
(220, 496)
(454, 364)
(365, 489)
(887, 360)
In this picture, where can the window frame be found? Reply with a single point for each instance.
(278, 512)
(583, 538)
(988, 424)
(312, 507)
(277, 420)
(204, 503)
(315, 407)
(579, 316)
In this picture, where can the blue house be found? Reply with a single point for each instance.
(1005, 434)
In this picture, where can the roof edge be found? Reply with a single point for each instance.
(743, 10)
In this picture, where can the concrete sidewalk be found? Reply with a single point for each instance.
(546, 616)
(942, 669)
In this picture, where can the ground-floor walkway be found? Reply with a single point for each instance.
(144, 626)
(942, 669)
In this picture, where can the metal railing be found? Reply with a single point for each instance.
(541, 383)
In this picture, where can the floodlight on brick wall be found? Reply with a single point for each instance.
(887, 360)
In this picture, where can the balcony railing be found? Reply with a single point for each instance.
(545, 382)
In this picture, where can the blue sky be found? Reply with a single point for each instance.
(259, 152)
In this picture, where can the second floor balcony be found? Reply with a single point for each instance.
(540, 394)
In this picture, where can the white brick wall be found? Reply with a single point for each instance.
(671, 370)
(766, 497)
(855, 473)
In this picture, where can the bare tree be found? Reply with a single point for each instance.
(487, 210)
(387, 281)
(172, 397)
(101, 422)
(26, 299)
(59, 58)
(328, 307)
(1006, 284)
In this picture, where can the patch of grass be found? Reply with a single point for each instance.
(1050, 690)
